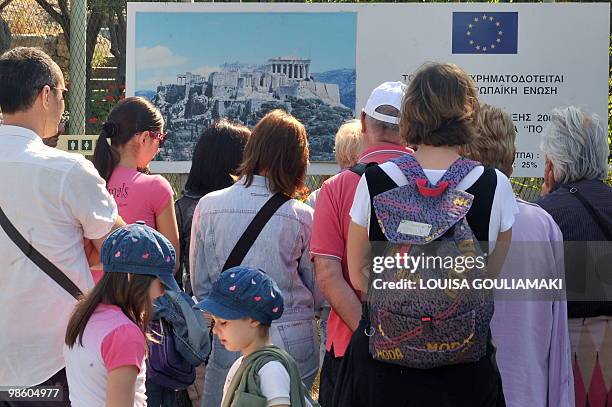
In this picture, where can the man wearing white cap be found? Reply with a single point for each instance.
(381, 142)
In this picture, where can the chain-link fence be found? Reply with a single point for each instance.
(95, 74)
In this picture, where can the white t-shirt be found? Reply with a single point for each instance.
(274, 381)
(54, 199)
(502, 212)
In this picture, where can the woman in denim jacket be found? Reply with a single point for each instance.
(275, 160)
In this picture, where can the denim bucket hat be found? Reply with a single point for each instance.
(241, 292)
(139, 249)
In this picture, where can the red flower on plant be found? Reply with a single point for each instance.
(92, 120)
(110, 98)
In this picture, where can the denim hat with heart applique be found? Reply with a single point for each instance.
(140, 249)
(241, 292)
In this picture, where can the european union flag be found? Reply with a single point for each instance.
(485, 33)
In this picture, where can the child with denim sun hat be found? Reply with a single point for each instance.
(105, 342)
(243, 303)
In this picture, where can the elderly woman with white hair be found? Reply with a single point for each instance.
(575, 195)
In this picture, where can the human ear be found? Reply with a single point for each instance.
(362, 119)
(144, 136)
(549, 178)
(44, 95)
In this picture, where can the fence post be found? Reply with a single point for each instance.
(78, 65)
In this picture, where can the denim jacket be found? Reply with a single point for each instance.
(191, 333)
(282, 249)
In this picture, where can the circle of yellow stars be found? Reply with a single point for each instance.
(484, 47)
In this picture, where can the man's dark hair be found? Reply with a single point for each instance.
(23, 73)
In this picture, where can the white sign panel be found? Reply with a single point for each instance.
(525, 58)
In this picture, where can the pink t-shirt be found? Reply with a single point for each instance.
(139, 196)
(330, 230)
(110, 340)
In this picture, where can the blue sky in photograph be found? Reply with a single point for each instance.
(172, 43)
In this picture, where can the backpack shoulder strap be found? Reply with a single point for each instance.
(413, 171)
(479, 215)
(298, 392)
(458, 170)
(378, 182)
(253, 230)
(360, 168)
(410, 167)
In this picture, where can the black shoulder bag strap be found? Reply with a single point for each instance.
(249, 236)
(37, 258)
(594, 214)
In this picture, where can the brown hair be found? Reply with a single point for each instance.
(130, 116)
(278, 145)
(439, 107)
(114, 288)
(494, 144)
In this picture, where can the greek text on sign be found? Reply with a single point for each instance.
(525, 58)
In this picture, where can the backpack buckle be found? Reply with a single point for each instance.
(431, 192)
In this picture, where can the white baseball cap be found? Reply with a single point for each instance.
(388, 93)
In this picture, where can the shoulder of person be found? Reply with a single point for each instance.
(61, 159)
(128, 329)
(389, 167)
(339, 178)
(302, 210)
(535, 212)
(549, 201)
(158, 179)
(217, 199)
(273, 369)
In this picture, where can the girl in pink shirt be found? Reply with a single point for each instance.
(105, 344)
(131, 137)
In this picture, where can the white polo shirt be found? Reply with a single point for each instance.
(54, 199)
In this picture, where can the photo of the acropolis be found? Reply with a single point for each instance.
(196, 78)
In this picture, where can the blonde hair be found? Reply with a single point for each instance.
(494, 143)
(348, 143)
(439, 107)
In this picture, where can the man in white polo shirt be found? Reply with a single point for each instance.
(55, 200)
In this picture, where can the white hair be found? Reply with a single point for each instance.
(577, 145)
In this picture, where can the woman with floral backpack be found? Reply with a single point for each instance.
(438, 116)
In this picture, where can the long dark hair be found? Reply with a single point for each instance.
(216, 157)
(114, 288)
(132, 115)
